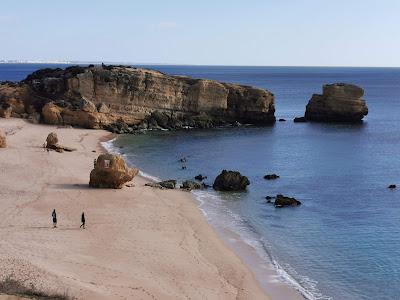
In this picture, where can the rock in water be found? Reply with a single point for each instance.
(52, 140)
(3, 142)
(282, 201)
(230, 181)
(110, 171)
(191, 185)
(300, 120)
(200, 177)
(271, 176)
(339, 102)
(392, 186)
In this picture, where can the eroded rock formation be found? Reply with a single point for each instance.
(339, 102)
(100, 96)
(110, 171)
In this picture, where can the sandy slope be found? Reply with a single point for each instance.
(140, 243)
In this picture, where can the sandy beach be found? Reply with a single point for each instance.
(139, 243)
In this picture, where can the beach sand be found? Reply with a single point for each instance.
(139, 242)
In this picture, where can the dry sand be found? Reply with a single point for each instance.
(139, 243)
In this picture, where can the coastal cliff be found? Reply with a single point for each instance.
(102, 96)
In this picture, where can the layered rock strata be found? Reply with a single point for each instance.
(102, 96)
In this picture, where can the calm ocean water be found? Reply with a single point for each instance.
(344, 241)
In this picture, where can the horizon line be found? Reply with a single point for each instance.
(83, 62)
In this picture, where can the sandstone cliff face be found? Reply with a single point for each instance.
(339, 103)
(95, 97)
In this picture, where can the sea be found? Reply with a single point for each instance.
(343, 242)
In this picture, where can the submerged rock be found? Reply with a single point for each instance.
(282, 120)
(339, 102)
(282, 201)
(271, 176)
(110, 171)
(300, 120)
(230, 181)
(200, 177)
(3, 140)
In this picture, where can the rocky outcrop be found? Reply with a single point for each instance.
(230, 181)
(339, 102)
(166, 184)
(110, 171)
(3, 140)
(100, 96)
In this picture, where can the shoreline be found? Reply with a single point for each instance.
(271, 277)
(139, 242)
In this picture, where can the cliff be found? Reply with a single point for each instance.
(103, 96)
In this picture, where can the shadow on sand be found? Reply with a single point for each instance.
(70, 186)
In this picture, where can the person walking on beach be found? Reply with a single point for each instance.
(82, 221)
(54, 215)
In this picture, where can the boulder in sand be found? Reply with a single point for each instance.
(110, 171)
(3, 142)
(230, 181)
(51, 140)
(339, 102)
(52, 143)
(5, 110)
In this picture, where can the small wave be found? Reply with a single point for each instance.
(213, 208)
(148, 176)
(109, 146)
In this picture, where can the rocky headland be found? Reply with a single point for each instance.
(339, 102)
(123, 99)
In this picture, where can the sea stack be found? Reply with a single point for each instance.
(339, 102)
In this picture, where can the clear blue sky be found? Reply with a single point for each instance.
(211, 32)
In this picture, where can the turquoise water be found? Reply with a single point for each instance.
(344, 241)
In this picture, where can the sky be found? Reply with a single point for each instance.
(204, 32)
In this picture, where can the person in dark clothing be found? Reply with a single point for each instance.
(54, 215)
(82, 220)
